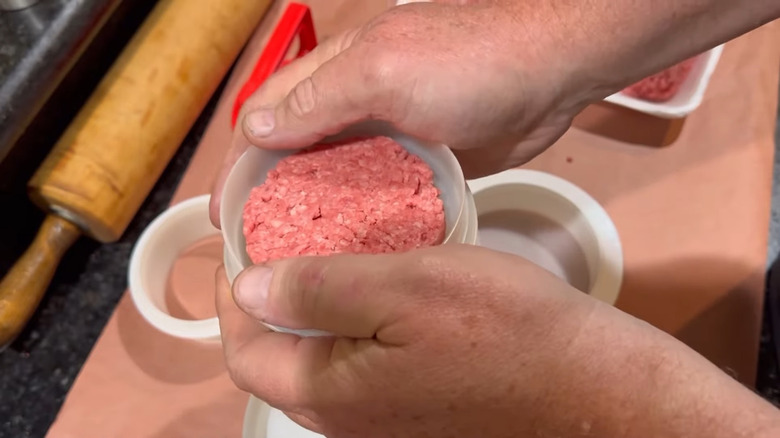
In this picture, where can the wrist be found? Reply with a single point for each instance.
(660, 387)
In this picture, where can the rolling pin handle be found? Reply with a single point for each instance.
(25, 283)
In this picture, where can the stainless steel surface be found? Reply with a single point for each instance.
(38, 46)
(13, 5)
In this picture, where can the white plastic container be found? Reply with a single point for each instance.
(251, 170)
(547, 212)
(688, 97)
(152, 259)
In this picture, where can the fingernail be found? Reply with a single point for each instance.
(252, 288)
(261, 123)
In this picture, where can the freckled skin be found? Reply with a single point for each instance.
(498, 81)
(474, 343)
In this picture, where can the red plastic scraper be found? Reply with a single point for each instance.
(296, 22)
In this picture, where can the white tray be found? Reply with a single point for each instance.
(688, 97)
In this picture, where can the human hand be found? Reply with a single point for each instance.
(444, 73)
(427, 338)
(457, 341)
(496, 80)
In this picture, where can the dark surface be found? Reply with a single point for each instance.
(40, 366)
(38, 46)
(768, 377)
(38, 369)
(75, 88)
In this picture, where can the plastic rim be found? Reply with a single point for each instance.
(255, 418)
(250, 169)
(142, 257)
(609, 273)
(669, 110)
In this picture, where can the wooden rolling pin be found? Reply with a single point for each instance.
(105, 164)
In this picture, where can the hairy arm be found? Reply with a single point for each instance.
(605, 45)
(645, 383)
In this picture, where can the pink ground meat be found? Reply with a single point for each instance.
(662, 86)
(366, 196)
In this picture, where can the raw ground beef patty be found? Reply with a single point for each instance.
(366, 196)
(664, 85)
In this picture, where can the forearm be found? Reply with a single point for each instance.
(690, 396)
(650, 384)
(605, 45)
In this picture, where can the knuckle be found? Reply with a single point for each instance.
(338, 44)
(246, 375)
(381, 64)
(303, 98)
(238, 372)
(423, 268)
(378, 68)
(380, 84)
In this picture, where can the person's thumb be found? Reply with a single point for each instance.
(347, 295)
(342, 91)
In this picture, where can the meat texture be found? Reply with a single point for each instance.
(662, 86)
(366, 196)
